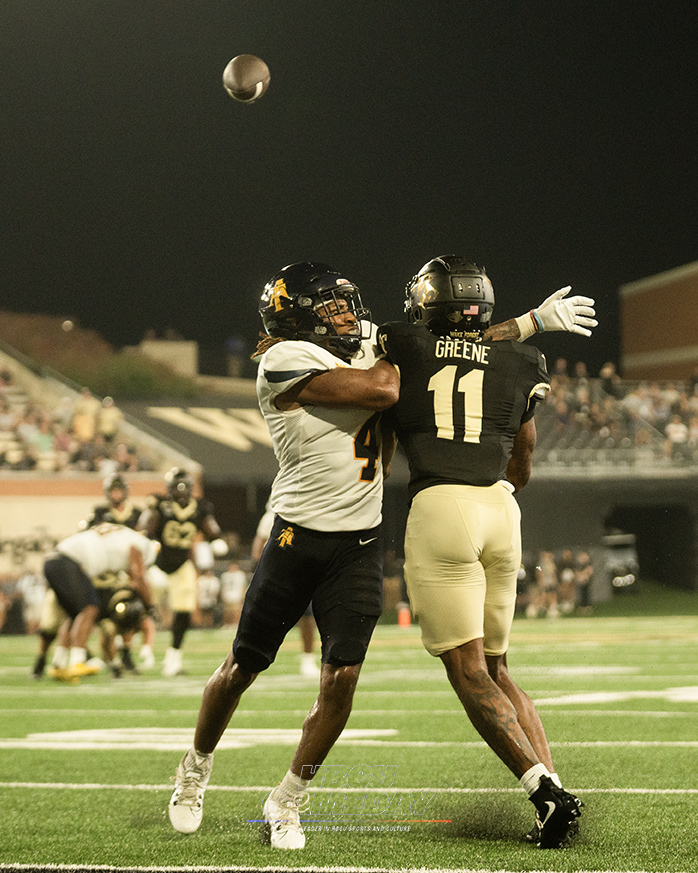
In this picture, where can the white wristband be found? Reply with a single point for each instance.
(527, 326)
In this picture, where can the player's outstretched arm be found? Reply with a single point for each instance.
(346, 388)
(557, 312)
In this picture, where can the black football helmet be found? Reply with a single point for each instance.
(112, 483)
(125, 609)
(293, 300)
(180, 485)
(451, 296)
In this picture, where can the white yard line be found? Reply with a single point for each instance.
(247, 789)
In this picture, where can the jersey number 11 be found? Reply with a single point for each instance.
(470, 386)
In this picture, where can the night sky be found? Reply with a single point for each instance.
(554, 143)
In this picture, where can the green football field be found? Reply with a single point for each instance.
(85, 771)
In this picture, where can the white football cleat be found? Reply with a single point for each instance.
(309, 668)
(186, 807)
(172, 664)
(282, 814)
(147, 657)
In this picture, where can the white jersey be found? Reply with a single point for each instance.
(106, 548)
(330, 476)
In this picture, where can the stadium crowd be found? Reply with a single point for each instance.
(589, 420)
(554, 585)
(81, 434)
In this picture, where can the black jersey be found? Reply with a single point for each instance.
(177, 528)
(461, 403)
(104, 513)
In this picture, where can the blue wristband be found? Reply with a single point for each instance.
(538, 321)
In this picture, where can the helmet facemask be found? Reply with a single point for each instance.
(180, 486)
(115, 483)
(327, 305)
(302, 300)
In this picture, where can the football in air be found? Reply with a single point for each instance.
(246, 78)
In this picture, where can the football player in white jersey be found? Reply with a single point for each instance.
(321, 393)
(78, 559)
(325, 544)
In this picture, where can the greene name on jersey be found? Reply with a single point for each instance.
(461, 403)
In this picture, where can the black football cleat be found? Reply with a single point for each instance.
(533, 836)
(39, 666)
(556, 821)
(127, 661)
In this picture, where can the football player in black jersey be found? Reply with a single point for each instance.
(323, 546)
(120, 510)
(176, 520)
(465, 421)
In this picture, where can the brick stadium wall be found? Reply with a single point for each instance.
(659, 325)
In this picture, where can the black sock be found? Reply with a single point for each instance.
(180, 625)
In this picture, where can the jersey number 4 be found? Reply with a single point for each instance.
(366, 447)
(470, 387)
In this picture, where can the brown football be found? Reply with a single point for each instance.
(246, 78)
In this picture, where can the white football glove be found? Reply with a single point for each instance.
(219, 547)
(574, 315)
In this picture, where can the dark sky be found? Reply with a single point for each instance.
(554, 143)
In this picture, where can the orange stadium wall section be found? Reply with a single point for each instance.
(659, 325)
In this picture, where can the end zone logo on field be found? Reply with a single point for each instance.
(340, 791)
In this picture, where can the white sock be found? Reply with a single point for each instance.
(292, 784)
(60, 657)
(530, 781)
(201, 757)
(556, 779)
(77, 656)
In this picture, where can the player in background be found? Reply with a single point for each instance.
(465, 421)
(321, 394)
(70, 570)
(306, 623)
(119, 509)
(176, 520)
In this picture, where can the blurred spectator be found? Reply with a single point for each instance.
(560, 367)
(126, 459)
(610, 380)
(32, 589)
(64, 412)
(584, 573)
(109, 418)
(233, 587)
(7, 416)
(676, 433)
(209, 589)
(546, 576)
(693, 432)
(567, 588)
(85, 417)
